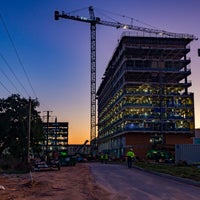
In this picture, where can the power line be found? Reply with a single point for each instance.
(5, 87)
(22, 65)
(13, 73)
(18, 57)
(3, 58)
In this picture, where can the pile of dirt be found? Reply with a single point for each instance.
(69, 183)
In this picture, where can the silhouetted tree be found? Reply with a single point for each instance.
(14, 112)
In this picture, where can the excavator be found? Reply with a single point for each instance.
(71, 160)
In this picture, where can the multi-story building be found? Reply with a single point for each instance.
(56, 136)
(143, 99)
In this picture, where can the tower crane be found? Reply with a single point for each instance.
(93, 21)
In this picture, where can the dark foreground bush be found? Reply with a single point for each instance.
(13, 166)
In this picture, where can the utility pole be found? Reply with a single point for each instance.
(56, 132)
(29, 130)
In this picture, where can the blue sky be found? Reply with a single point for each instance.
(56, 54)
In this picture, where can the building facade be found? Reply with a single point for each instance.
(143, 99)
(56, 136)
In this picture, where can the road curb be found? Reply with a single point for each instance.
(182, 180)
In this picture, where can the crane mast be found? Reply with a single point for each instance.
(96, 20)
(93, 23)
(93, 75)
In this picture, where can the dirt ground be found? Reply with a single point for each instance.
(67, 184)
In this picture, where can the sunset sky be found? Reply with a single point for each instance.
(55, 55)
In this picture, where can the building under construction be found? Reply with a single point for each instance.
(143, 99)
(56, 136)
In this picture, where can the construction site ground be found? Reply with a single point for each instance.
(95, 181)
(69, 183)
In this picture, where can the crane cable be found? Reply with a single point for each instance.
(77, 10)
(123, 16)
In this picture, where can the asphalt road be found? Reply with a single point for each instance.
(135, 184)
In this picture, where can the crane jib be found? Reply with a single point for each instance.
(97, 20)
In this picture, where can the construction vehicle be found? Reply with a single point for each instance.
(50, 163)
(78, 154)
(43, 165)
(160, 156)
(71, 160)
(67, 160)
(93, 21)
